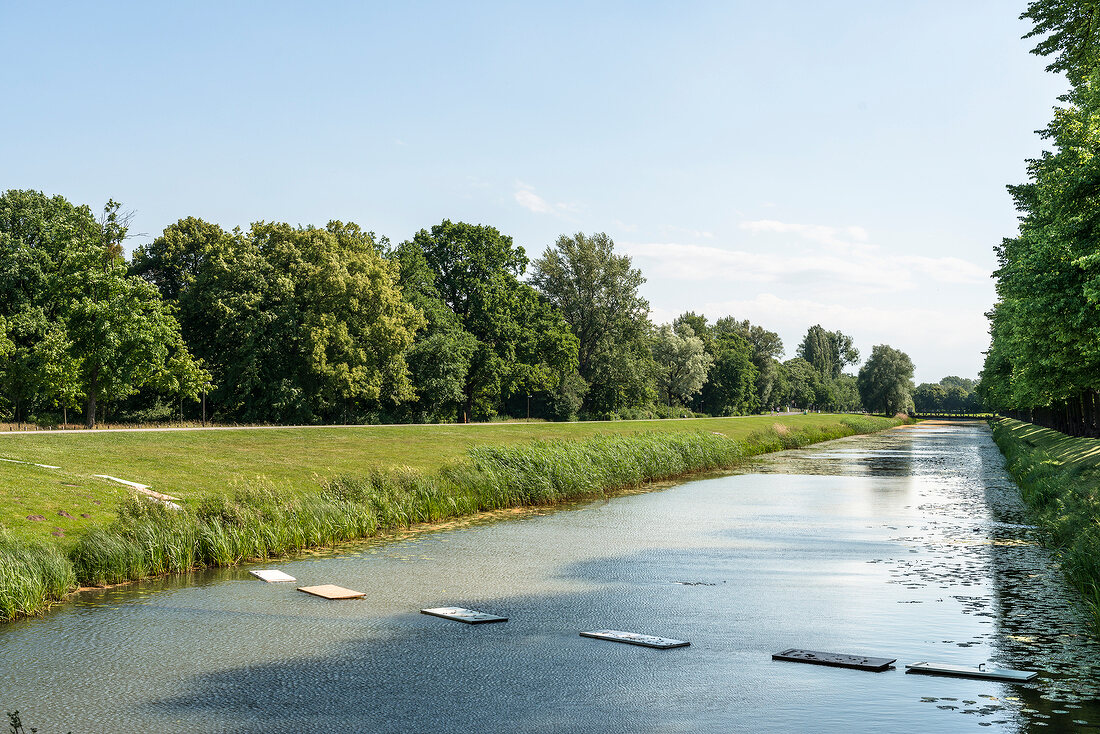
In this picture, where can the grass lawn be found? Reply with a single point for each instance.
(188, 464)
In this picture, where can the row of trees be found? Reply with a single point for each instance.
(952, 394)
(288, 324)
(1044, 360)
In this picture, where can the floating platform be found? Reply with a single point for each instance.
(469, 616)
(835, 659)
(331, 591)
(963, 671)
(633, 638)
(271, 575)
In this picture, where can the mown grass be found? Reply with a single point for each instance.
(192, 464)
(1059, 478)
(260, 519)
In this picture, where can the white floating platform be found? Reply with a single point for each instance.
(331, 591)
(963, 671)
(469, 616)
(271, 575)
(633, 638)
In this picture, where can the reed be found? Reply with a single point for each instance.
(33, 575)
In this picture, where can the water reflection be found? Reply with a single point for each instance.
(906, 544)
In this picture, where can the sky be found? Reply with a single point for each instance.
(792, 162)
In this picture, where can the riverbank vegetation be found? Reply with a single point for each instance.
(1044, 361)
(1059, 478)
(226, 524)
(280, 324)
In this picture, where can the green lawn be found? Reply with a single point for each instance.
(191, 463)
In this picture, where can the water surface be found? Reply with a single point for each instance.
(909, 544)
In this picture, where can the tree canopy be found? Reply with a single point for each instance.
(885, 381)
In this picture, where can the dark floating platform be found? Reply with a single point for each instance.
(469, 616)
(963, 671)
(633, 638)
(835, 659)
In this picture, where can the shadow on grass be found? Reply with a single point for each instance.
(1059, 446)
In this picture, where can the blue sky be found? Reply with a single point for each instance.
(790, 162)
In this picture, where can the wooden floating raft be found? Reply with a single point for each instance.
(271, 575)
(835, 659)
(458, 614)
(331, 591)
(633, 638)
(963, 671)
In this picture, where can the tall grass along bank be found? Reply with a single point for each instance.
(1059, 478)
(258, 521)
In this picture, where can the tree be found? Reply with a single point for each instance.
(38, 236)
(521, 343)
(885, 381)
(929, 398)
(802, 383)
(681, 362)
(828, 351)
(298, 324)
(730, 388)
(1072, 30)
(1046, 323)
(81, 326)
(596, 292)
(122, 333)
(845, 394)
(767, 347)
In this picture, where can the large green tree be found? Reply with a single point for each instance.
(885, 381)
(596, 292)
(1070, 32)
(516, 341)
(828, 351)
(730, 385)
(803, 383)
(82, 327)
(681, 363)
(1046, 323)
(299, 324)
(767, 348)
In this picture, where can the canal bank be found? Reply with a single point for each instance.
(909, 544)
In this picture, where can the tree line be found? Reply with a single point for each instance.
(1044, 360)
(952, 394)
(303, 324)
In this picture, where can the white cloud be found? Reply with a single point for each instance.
(823, 234)
(820, 256)
(526, 197)
(698, 234)
(531, 201)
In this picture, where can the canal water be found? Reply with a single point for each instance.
(909, 544)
